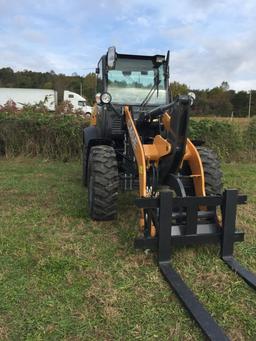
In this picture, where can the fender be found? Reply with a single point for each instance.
(89, 134)
(92, 137)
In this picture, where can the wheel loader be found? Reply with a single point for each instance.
(138, 140)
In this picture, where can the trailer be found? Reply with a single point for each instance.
(48, 97)
(22, 97)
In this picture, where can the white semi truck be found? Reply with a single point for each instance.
(77, 101)
(49, 98)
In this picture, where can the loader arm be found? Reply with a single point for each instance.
(144, 154)
(148, 154)
(167, 154)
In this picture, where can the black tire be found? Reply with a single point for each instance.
(103, 181)
(84, 179)
(212, 171)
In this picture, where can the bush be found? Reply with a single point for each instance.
(224, 138)
(9, 107)
(49, 135)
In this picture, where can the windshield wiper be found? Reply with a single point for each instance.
(151, 91)
(148, 97)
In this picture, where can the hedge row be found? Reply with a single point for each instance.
(228, 140)
(47, 135)
(60, 136)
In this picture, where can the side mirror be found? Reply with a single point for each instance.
(167, 63)
(111, 57)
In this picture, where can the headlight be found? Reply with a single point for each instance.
(192, 97)
(105, 98)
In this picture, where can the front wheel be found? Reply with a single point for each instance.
(212, 171)
(102, 181)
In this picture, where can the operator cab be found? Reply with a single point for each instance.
(134, 80)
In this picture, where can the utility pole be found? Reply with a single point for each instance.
(81, 89)
(250, 101)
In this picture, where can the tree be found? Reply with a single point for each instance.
(89, 86)
(48, 85)
(219, 102)
(201, 104)
(216, 101)
(60, 83)
(7, 77)
(177, 88)
(240, 103)
(224, 86)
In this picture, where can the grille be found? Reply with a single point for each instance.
(116, 126)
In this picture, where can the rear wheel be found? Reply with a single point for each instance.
(102, 180)
(84, 165)
(212, 171)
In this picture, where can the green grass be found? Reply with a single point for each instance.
(65, 277)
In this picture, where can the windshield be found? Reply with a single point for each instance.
(132, 79)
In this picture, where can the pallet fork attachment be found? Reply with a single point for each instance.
(176, 228)
(227, 244)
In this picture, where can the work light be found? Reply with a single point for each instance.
(105, 98)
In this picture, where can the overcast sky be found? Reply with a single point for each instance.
(210, 41)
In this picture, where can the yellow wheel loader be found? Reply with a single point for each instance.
(139, 140)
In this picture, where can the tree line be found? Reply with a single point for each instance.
(50, 80)
(218, 101)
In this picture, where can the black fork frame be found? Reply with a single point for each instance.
(226, 235)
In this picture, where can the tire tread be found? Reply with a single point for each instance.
(103, 168)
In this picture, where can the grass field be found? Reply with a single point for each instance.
(64, 277)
